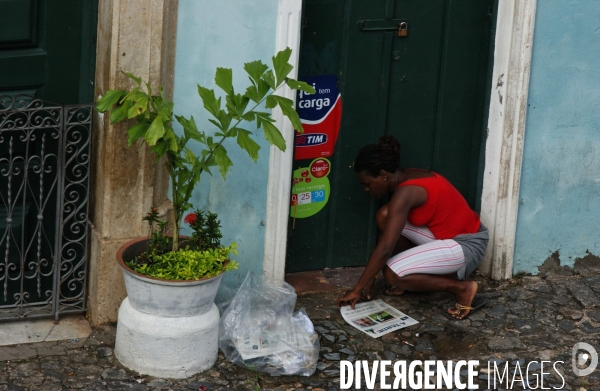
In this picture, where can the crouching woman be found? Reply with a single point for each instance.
(430, 239)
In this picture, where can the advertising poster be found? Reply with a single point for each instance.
(320, 114)
(310, 189)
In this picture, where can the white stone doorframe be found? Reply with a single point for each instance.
(504, 145)
(506, 131)
(280, 163)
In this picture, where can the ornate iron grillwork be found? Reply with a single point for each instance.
(44, 198)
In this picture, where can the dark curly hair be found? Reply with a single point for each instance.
(384, 155)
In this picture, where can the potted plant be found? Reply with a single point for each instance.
(168, 324)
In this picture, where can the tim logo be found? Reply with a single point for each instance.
(310, 140)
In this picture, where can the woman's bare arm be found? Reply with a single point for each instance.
(403, 200)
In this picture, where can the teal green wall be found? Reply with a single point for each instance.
(560, 183)
(213, 34)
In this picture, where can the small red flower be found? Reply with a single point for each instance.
(190, 219)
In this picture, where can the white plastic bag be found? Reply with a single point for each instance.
(259, 330)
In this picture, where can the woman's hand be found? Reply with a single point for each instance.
(350, 297)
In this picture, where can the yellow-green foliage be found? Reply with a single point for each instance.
(186, 264)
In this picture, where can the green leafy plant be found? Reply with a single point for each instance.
(152, 123)
(157, 228)
(186, 264)
(207, 229)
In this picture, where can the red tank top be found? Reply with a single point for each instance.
(446, 212)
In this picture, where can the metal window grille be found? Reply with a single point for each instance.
(44, 199)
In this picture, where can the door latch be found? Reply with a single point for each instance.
(400, 26)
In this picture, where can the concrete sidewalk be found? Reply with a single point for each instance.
(525, 319)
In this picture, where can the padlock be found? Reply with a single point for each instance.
(402, 29)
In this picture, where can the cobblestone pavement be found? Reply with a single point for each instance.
(530, 318)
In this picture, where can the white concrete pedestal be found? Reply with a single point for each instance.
(162, 346)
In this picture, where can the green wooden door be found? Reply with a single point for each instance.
(428, 89)
(47, 49)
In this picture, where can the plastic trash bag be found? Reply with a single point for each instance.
(259, 330)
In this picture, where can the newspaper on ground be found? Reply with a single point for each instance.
(376, 318)
(273, 343)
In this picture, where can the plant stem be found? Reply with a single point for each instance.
(176, 212)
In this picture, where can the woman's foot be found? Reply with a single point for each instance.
(464, 299)
(394, 291)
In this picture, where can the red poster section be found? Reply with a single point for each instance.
(320, 114)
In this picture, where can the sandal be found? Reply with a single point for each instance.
(475, 305)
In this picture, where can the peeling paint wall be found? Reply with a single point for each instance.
(560, 181)
(213, 34)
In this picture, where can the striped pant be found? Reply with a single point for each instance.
(430, 256)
